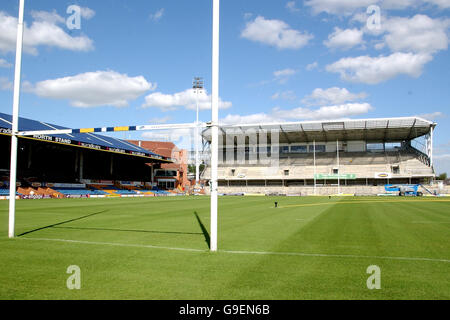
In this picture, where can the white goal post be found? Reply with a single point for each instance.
(214, 124)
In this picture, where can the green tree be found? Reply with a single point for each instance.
(442, 176)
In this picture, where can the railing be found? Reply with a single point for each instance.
(420, 155)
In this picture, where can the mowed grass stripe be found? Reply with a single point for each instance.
(300, 254)
(159, 250)
(357, 201)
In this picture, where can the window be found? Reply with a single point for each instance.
(286, 172)
(375, 147)
(233, 171)
(299, 149)
(393, 146)
(335, 171)
(284, 149)
(319, 148)
(165, 173)
(395, 169)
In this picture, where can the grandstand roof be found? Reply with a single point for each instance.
(85, 140)
(163, 148)
(375, 130)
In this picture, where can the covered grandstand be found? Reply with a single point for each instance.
(324, 157)
(76, 164)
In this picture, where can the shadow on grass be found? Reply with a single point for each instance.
(129, 230)
(60, 223)
(205, 232)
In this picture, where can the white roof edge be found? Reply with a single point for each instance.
(326, 121)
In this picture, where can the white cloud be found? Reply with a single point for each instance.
(157, 15)
(331, 96)
(92, 89)
(284, 95)
(413, 41)
(292, 6)
(371, 70)
(312, 66)
(160, 120)
(182, 138)
(282, 76)
(275, 33)
(45, 16)
(284, 73)
(248, 15)
(172, 135)
(44, 31)
(420, 34)
(348, 7)
(5, 84)
(432, 116)
(186, 99)
(399, 4)
(323, 113)
(443, 4)
(344, 39)
(248, 119)
(5, 64)
(87, 13)
(339, 7)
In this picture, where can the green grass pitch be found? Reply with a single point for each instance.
(157, 248)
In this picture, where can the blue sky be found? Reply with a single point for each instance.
(132, 62)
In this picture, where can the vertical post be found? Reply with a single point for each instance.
(81, 167)
(214, 123)
(339, 171)
(315, 180)
(198, 85)
(197, 165)
(430, 151)
(15, 123)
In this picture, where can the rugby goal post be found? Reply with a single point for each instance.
(213, 124)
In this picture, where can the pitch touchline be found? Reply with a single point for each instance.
(114, 244)
(299, 254)
(422, 222)
(352, 202)
(335, 255)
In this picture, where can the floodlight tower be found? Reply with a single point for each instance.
(197, 85)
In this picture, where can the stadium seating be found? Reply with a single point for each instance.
(295, 172)
(78, 191)
(4, 192)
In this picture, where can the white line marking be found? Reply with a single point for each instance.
(430, 222)
(300, 254)
(334, 255)
(114, 244)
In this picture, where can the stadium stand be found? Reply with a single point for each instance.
(69, 165)
(350, 157)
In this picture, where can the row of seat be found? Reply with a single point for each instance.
(5, 192)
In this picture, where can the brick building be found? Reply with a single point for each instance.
(170, 175)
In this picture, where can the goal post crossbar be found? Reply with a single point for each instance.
(112, 129)
(213, 124)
